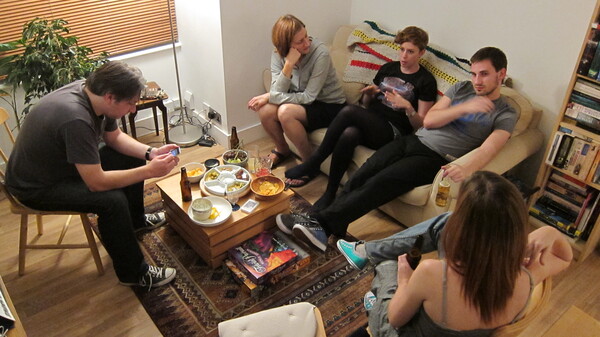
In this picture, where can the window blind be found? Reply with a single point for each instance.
(114, 26)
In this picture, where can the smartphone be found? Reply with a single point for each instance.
(176, 151)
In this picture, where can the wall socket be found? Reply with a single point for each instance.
(211, 113)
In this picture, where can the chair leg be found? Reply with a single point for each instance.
(87, 229)
(22, 244)
(64, 230)
(40, 224)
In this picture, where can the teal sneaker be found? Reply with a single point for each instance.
(369, 300)
(348, 249)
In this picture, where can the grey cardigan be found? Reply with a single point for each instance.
(313, 78)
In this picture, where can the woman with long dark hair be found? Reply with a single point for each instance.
(488, 268)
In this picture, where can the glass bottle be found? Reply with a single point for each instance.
(443, 192)
(414, 254)
(234, 141)
(186, 186)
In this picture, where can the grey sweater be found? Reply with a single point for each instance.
(313, 78)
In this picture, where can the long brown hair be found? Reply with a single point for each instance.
(283, 33)
(485, 239)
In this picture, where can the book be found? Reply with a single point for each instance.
(588, 88)
(574, 108)
(563, 150)
(248, 286)
(569, 182)
(589, 51)
(559, 207)
(585, 100)
(547, 216)
(564, 193)
(302, 261)
(574, 155)
(594, 65)
(262, 256)
(594, 173)
(554, 149)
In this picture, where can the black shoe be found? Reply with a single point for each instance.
(154, 277)
(286, 222)
(153, 221)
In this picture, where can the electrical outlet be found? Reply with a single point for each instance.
(216, 115)
(211, 113)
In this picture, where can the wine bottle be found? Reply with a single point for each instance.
(414, 254)
(234, 141)
(186, 186)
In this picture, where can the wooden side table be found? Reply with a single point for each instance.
(145, 104)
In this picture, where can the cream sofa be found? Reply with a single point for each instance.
(419, 204)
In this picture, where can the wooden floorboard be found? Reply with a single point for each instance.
(61, 293)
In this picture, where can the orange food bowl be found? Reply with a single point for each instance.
(267, 187)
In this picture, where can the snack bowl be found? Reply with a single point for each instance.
(226, 178)
(201, 208)
(235, 157)
(210, 163)
(195, 171)
(267, 187)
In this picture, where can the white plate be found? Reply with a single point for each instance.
(222, 205)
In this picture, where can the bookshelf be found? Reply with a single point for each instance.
(569, 178)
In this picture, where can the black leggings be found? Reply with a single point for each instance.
(353, 126)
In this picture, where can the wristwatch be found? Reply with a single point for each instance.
(414, 112)
(148, 152)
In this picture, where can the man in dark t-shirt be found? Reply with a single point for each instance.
(70, 155)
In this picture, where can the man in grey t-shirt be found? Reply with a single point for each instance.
(70, 155)
(471, 116)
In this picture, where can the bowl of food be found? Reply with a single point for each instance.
(195, 171)
(235, 157)
(267, 187)
(201, 208)
(224, 179)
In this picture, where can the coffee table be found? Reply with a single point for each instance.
(212, 243)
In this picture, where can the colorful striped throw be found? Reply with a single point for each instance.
(374, 46)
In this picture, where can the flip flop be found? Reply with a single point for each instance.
(305, 179)
(279, 158)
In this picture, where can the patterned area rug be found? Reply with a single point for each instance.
(201, 297)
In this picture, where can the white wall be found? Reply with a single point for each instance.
(542, 40)
(247, 47)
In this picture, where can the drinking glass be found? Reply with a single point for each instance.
(232, 197)
(264, 166)
(253, 157)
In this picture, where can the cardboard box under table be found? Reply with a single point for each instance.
(212, 243)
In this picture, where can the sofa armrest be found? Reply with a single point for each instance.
(515, 150)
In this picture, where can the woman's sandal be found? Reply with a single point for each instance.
(279, 158)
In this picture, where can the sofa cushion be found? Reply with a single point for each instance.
(522, 106)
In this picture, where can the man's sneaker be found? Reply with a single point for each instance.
(369, 300)
(153, 221)
(308, 230)
(286, 222)
(154, 277)
(348, 249)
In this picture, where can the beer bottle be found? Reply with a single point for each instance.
(414, 254)
(186, 186)
(234, 141)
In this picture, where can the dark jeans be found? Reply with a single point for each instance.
(394, 169)
(119, 212)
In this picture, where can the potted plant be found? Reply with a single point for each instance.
(47, 60)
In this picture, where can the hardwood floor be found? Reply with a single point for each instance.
(61, 293)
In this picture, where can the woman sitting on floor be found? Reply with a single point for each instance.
(389, 113)
(485, 278)
(305, 93)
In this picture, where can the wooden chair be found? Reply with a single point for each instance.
(18, 208)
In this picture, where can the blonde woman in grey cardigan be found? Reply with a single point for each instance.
(305, 93)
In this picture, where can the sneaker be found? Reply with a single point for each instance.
(154, 277)
(286, 222)
(369, 300)
(153, 221)
(348, 249)
(308, 230)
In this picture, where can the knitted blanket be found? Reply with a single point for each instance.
(373, 46)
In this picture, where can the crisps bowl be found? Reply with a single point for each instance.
(195, 171)
(267, 187)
